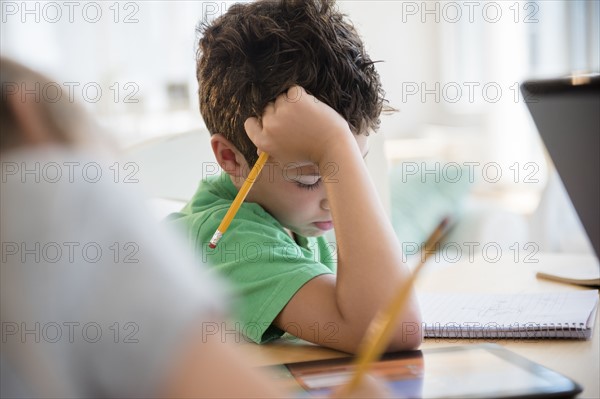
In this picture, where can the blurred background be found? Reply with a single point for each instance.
(452, 68)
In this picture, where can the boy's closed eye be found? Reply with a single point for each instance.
(305, 176)
(309, 182)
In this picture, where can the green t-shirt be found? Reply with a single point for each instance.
(263, 263)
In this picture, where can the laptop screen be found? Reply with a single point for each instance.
(567, 115)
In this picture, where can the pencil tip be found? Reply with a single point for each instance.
(212, 246)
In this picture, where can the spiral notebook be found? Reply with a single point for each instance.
(495, 316)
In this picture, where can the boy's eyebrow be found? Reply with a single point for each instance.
(311, 174)
(308, 173)
(302, 170)
(316, 172)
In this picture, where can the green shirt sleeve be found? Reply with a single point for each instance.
(264, 265)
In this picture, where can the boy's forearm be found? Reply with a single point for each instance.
(370, 268)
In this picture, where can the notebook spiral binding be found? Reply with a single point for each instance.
(495, 331)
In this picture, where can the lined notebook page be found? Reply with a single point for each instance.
(559, 314)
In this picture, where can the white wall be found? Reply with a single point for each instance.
(410, 51)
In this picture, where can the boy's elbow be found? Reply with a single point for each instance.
(408, 334)
(406, 342)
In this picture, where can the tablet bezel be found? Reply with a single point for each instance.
(562, 386)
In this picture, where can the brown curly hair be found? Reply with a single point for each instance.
(256, 51)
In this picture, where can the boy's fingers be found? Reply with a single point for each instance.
(269, 110)
(252, 127)
(294, 94)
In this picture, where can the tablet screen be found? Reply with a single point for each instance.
(457, 372)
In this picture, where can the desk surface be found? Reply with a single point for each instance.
(578, 360)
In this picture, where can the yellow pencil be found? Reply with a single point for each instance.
(378, 335)
(239, 199)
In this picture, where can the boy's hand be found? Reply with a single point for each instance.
(297, 128)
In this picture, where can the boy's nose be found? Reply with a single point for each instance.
(325, 204)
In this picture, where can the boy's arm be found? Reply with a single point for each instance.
(335, 311)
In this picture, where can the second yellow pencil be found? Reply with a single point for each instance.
(380, 330)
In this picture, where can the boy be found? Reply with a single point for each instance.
(257, 65)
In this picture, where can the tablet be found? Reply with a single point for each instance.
(472, 371)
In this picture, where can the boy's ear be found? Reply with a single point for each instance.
(228, 157)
